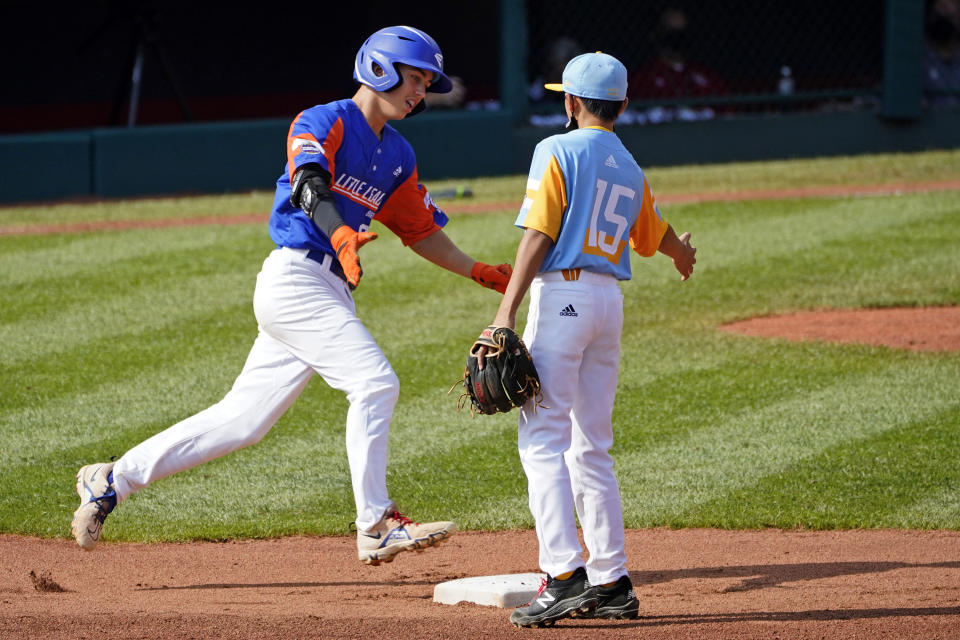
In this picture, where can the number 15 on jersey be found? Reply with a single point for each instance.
(607, 237)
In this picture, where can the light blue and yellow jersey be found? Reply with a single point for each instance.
(588, 194)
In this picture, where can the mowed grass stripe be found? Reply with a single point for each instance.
(940, 506)
(761, 231)
(882, 258)
(483, 485)
(106, 412)
(185, 320)
(284, 485)
(890, 168)
(151, 276)
(131, 316)
(60, 257)
(164, 208)
(667, 484)
(909, 473)
(304, 453)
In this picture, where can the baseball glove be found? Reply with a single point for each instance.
(508, 378)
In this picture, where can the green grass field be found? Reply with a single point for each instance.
(108, 337)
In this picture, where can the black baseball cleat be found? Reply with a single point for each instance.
(616, 602)
(558, 599)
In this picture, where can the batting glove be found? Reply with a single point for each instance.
(346, 242)
(493, 277)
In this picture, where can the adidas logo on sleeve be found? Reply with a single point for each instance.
(569, 311)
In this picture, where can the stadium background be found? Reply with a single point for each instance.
(219, 84)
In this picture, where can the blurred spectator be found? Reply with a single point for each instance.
(670, 73)
(453, 99)
(559, 54)
(942, 56)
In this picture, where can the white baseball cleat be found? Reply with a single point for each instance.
(97, 500)
(396, 533)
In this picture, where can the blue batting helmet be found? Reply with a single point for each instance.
(394, 45)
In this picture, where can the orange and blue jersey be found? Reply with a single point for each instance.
(586, 192)
(371, 179)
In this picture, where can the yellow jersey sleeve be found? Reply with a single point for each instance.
(545, 201)
(648, 230)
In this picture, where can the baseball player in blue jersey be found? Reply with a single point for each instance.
(586, 200)
(345, 167)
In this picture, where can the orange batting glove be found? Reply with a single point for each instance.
(346, 242)
(491, 276)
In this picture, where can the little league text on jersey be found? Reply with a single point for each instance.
(358, 190)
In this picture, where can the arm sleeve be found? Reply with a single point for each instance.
(410, 212)
(310, 192)
(648, 230)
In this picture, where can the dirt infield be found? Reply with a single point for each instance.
(691, 584)
(917, 329)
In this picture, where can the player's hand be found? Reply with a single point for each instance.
(346, 242)
(493, 277)
(481, 356)
(686, 258)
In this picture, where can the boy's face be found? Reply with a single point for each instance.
(402, 99)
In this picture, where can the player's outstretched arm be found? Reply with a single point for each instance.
(680, 250)
(531, 251)
(533, 248)
(439, 249)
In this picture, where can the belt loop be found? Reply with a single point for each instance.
(327, 262)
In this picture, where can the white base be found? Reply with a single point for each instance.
(505, 591)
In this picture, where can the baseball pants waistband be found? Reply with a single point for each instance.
(326, 261)
(576, 275)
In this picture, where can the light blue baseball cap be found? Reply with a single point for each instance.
(594, 75)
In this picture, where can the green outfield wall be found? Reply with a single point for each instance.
(241, 156)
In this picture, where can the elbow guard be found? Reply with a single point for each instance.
(310, 191)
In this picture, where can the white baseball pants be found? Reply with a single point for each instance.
(573, 333)
(307, 323)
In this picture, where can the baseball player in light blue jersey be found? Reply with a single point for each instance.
(345, 167)
(586, 201)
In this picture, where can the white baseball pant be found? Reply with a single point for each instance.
(307, 323)
(573, 334)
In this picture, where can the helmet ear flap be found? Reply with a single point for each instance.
(365, 70)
